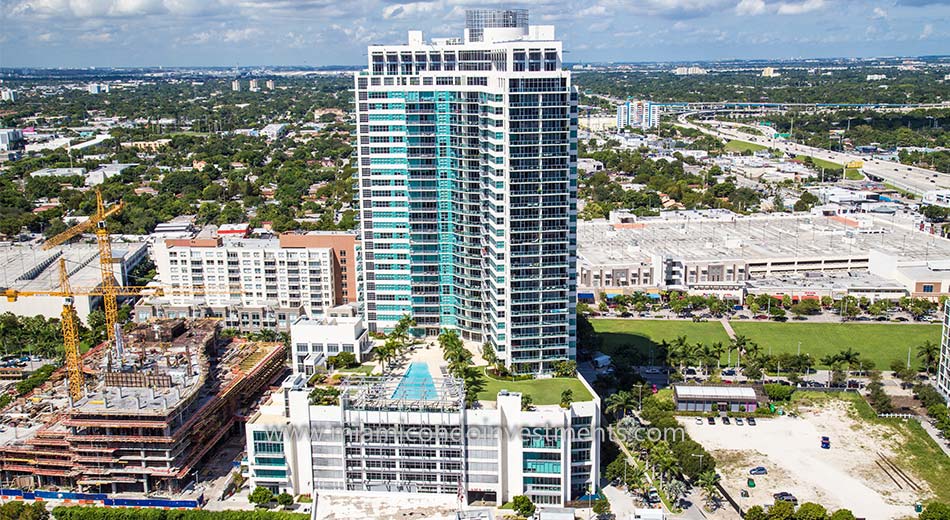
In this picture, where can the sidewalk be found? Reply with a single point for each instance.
(929, 428)
(728, 326)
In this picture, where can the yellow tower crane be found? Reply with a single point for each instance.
(98, 221)
(69, 320)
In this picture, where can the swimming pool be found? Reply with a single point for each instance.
(416, 384)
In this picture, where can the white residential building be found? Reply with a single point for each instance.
(943, 369)
(236, 85)
(467, 157)
(250, 283)
(8, 94)
(274, 131)
(59, 172)
(689, 71)
(412, 433)
(253, 86)
(637, 114)
(314, 339)
(9, 138)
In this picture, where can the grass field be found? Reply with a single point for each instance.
(641, 337)
(542, 391)
(821, 163)
(877, 342)
(852, 174)
(741, 146)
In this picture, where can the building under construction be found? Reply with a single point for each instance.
(154, 405)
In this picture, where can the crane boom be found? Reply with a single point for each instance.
(81, 228)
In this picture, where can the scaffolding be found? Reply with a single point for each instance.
(160, 404)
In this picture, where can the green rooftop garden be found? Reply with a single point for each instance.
(542, 391)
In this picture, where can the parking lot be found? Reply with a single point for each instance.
(845, 476)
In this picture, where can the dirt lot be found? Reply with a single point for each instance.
(846, 476)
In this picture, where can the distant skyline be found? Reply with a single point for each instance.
(83, 33)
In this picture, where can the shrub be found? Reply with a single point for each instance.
(343, 360)
(260, 496)
(523, 506)
(778, 392)
(842, 514)
(285, 499)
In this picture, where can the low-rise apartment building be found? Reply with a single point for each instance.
(251, 283)
(412, 433)
(316, 338)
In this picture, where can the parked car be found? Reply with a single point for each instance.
(729, 372)
(725, 420)
(738, 421)
(900, 318)
(711, 420)
(653, 496)
(761, 317)
(758, 470)
(751, 421)
(785, 496)
(690, 372)
(699, 420)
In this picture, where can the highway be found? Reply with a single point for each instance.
(909, 178)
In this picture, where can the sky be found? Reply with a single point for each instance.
(101, 33)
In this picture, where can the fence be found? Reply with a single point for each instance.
(99, 499)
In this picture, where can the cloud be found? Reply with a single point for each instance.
(806, 6)
(750, 7)
(879, 13)
(927, 31)
(95, 37)
(224, 35)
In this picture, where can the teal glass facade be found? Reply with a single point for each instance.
(467, 189)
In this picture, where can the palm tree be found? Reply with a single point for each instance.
(717, 350)
(929, 354)
(675, 490)
(707, 481)
(738, 344)
(621, 401)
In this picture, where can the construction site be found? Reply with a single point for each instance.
(152, 405)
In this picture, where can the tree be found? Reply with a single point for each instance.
(755, 513)
(285, 499)
(707, 482)
(527, 402)
(523, 506)
(811, 511)
(842, 514)
(343, 360)
(566, 368)
(929, 354)
(601, 507)
(936, 511)
(488, 354)
(261, 496)
(567, 397)
(782, 510)
(621, 402)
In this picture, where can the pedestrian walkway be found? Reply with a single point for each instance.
(728, 326)
(934, 434)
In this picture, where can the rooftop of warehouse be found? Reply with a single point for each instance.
(719, 235)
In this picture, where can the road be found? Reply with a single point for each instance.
(910, 178)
